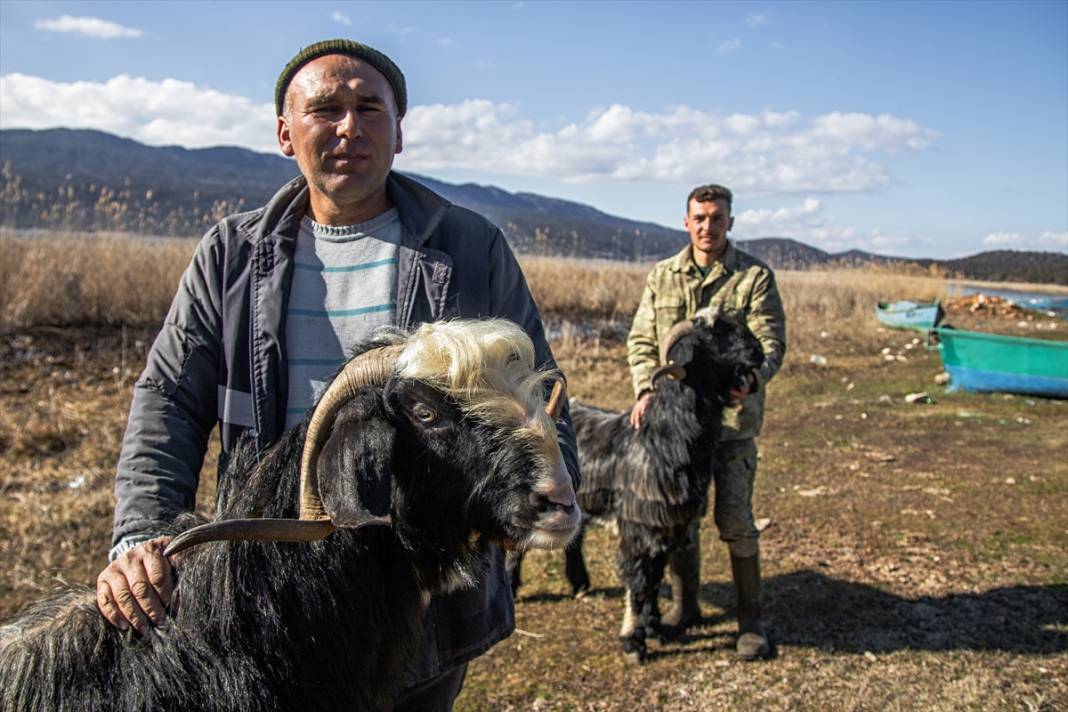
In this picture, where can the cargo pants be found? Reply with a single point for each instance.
(734, 472)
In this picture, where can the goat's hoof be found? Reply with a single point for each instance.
(635, 650)
(752, 646)
(680, 618)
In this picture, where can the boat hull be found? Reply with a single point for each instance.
(920, 316)
(1006, 364)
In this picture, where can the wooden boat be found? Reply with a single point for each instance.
(922, 316)
(983, 362)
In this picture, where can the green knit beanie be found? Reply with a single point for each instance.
(362, 52)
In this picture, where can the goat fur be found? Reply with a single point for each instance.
(654, 481)
(324, 625)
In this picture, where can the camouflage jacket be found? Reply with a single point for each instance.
(675, 291)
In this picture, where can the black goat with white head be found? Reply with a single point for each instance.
(423, 451)
(654, 481)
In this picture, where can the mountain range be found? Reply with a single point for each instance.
(83, 179)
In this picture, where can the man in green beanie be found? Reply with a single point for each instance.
(274, 301)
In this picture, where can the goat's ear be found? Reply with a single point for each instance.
(356, 469)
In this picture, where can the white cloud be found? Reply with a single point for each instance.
(341, 18)
(765, 153)
(756, 20)
(776, 119)
(809, 222)
(873, 132)
(88, 26)
(881, 243)
(1047, 240)
(1003, 238)
(157, 113)
(728, 46)
(1055, 240)
(757, 154)
(444, 41)
(765, 217)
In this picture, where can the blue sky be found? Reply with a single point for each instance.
(919, 129)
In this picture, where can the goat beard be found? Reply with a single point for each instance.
(507, 543)
(504, 542)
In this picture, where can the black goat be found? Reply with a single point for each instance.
(444, 437)
(654, 481)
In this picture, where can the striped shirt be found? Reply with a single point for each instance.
(344, 288)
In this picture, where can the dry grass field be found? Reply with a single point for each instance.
(916, 556)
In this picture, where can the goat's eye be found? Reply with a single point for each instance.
(424, 414)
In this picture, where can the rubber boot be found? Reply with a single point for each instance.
(752, 641)
(684, 573)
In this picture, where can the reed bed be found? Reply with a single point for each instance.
(583, 289)
(836, 304)
(77, 205)
(83, 279)
(92, 279)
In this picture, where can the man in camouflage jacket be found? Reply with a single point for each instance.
(712, 272)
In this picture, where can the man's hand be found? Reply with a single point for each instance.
(638, 410)
(136, 587)
(738, 394)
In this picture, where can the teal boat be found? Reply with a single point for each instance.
(1008, 364)
(922, 316)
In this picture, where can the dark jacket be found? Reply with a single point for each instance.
(220, 357)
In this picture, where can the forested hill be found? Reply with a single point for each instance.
(91, 179)
(83, 179)
(993, 266)
(1013, 266)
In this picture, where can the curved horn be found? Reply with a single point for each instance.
(314, 523)
(370, 367)
(677, 332)
(672, 370)
(556, 399)
(239, 529)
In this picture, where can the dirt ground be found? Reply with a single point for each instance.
(916, 555)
